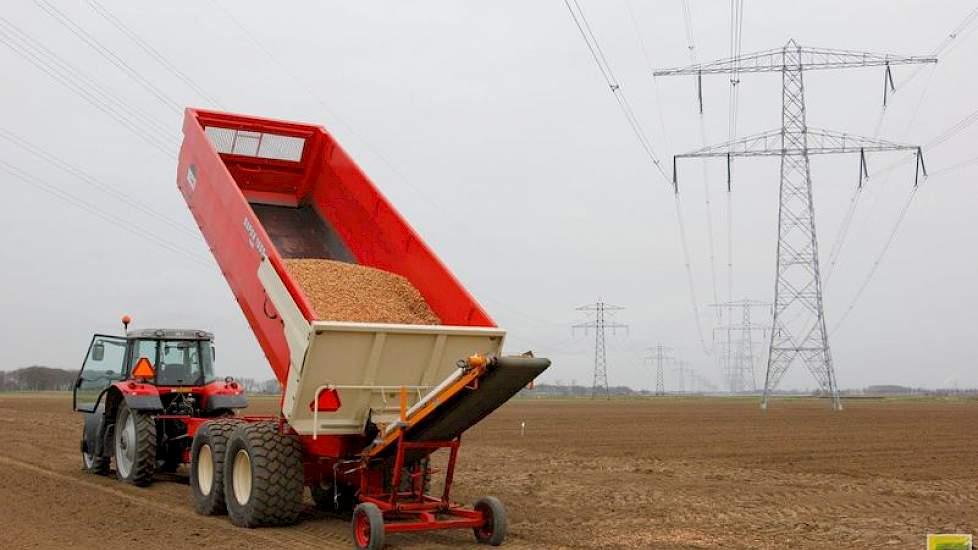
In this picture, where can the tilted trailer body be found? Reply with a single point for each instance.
(365, 402)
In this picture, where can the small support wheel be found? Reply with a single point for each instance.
(368, 527)
(493, 531)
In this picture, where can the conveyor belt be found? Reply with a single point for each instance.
(459, 412)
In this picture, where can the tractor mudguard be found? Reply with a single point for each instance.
(226, 401)
(144, 402)
(140, 396)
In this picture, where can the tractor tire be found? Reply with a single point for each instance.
(368, 527)
(98, 465)
(263, 476)
(493, 531)
(207, 465)
(135, 446)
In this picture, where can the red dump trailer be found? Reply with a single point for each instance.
(364, 404)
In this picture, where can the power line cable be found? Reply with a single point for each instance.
(580, 20)
(106, 53)
(147, 48)
(80, 202)
(689, 275)
(143, 125)
(877, 261)
(93, 182)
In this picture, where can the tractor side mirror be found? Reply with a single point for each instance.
(98, 351)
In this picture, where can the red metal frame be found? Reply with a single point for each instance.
(415, 510)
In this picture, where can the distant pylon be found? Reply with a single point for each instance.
(659, 356)
(683, 370)
(737, 342)
(599, 324)
(799, 331)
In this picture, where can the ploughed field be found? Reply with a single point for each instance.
(668, 473)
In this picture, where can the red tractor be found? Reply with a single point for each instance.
(140, 393)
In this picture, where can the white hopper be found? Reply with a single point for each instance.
(366, 362)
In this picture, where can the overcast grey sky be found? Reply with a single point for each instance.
(496, 109)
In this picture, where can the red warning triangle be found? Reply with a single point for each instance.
(143, 369)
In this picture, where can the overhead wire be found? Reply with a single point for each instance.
(143, 125)
(88, 179)
(151, 51)
(736, 43)
(83, 204)
(877, 261)
(107, 53)
(691, 50)
(584, 27)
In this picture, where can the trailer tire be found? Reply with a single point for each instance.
(493, 531)
(207, 466)
(368, 527)
(135, 446)
(263, 476)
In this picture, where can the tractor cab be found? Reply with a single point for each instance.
(143, 393)
(175, 359)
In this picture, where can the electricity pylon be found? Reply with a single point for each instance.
(599, 324)
(737, 359)
(683, 369)
(660, 355)
(799, 319)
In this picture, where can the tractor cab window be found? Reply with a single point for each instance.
(180, 363)
(104, 364)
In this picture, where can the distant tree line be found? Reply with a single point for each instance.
(37, 378)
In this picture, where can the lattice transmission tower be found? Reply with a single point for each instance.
(737, 344)
(659, 356)
(798, 319)
(599, 324)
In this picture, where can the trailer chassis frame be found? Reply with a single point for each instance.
(415, 510)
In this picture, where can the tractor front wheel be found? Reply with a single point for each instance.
(92, 463)
(493, 531)
(368, 527)
(135, 446)
(207, 465)
(263, 476)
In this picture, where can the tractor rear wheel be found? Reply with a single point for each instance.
(135, 446)
(263, 476)
(493, 531)
(207, 465)
(368, 527)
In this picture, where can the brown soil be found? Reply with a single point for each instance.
(340, 291)
(673, 473)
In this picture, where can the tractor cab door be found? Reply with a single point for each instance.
(104, 364)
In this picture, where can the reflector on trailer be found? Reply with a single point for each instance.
(328, 401)
(143, 369)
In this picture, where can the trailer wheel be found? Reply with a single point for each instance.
(207, 466)
(92, 464)
(493, 531)
(368, 527)
(135, 446)
(263, 476)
